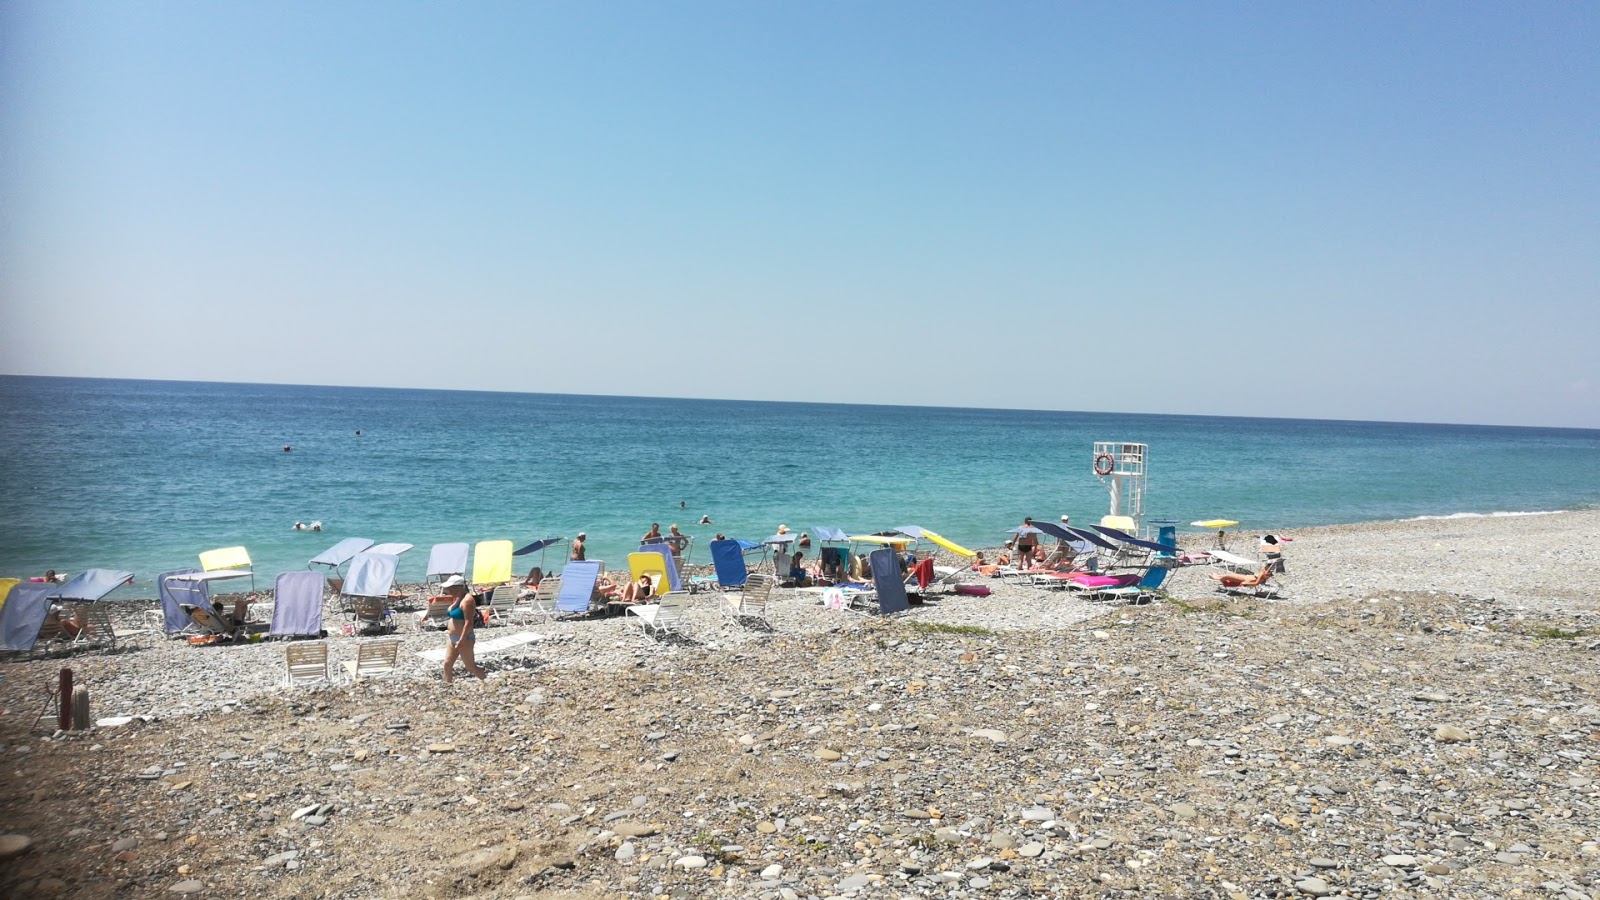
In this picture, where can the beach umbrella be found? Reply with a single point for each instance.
(824, 533)
(538, 547)
(1024, 529)
(1221, 525)
(935, 537)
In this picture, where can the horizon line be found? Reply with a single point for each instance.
(1173, 415)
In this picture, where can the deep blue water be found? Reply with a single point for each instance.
(143, 475)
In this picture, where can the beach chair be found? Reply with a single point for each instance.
(538, 603)
(102, 631)
(576, 591)
(444, 560)
(668, 562)
(890, 584)
(752, 602)
(374, 659)
(23, 619)
(305, 663)
(652, 564)
(727, 557)
(364, 596)
(1148, 584)
(208, 621)
(297, 610)
(491, 563)
(663, 617)
(1258, 584)
(437, 613)
(500, 602)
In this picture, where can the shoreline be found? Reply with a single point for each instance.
(1230, 747)
(143, 588)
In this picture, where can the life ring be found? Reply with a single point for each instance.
(1104, 463)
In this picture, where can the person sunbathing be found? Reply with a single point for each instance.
(1234, 579)
(637, 591)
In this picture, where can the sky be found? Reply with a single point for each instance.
(1319, 210)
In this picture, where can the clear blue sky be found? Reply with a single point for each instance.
(1373, 211)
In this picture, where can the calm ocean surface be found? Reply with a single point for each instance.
(143, 475)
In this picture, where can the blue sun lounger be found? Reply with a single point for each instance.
(728, 558)
(297, 604)
(889, 581)
(577, 586)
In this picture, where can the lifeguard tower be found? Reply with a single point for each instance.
(1122, 466)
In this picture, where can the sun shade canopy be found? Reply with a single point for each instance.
(829, 534)
(393, 548)
(340, 553)
(941, 540)
(1116, 535)
(448, 559)
(225, 558)
(1214, 523)
(92, 585)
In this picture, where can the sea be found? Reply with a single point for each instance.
(142, 476)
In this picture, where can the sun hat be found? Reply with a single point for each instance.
(453, 581)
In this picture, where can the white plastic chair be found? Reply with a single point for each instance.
(663, 617)
(305, 663)
(374, 659)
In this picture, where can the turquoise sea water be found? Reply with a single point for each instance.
(143, 475)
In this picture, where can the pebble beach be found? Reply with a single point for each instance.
(1415, 715)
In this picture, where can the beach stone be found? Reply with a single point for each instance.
(1450, 734)
(771, 872)
(1322, 862)
(1431, 698)
(766, 827)
(187, 886)
(979, 883)
(1038, 814)
(1338, 740)
(127, 843)
(14, 845)
(1314, 887)
(304, 811)
(853, 883)
(1030, 850)
(635, 829)
(1184, 811)
(827, 755)
(625, 852)
(691, 862)
(315, 820)
(441, 748)
(1399, 860)
(278, 860)
(999, 737)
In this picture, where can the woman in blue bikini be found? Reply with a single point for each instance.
(463, 616)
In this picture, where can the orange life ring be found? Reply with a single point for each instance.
(1103, 464)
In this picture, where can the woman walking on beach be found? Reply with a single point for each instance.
(463, 616)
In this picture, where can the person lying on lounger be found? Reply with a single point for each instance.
(1234, 579)
(637, 591)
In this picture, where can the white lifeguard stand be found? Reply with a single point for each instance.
(1122, 466)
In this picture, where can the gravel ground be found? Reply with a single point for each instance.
(1416, 715)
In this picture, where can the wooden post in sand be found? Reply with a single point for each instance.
(64, 702)
(80, 708)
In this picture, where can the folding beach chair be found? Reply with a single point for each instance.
(491, 563)
(577, 586)
(752, 602)
(365, 594)
(297, 611)
(669, 565)
(305, 663)
(539, 603)
(662, 617)
(374, 659)
(1150, 583)
(890, 584)
(727, 557)
(23, 618)
(209, 622)
(652, 564)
